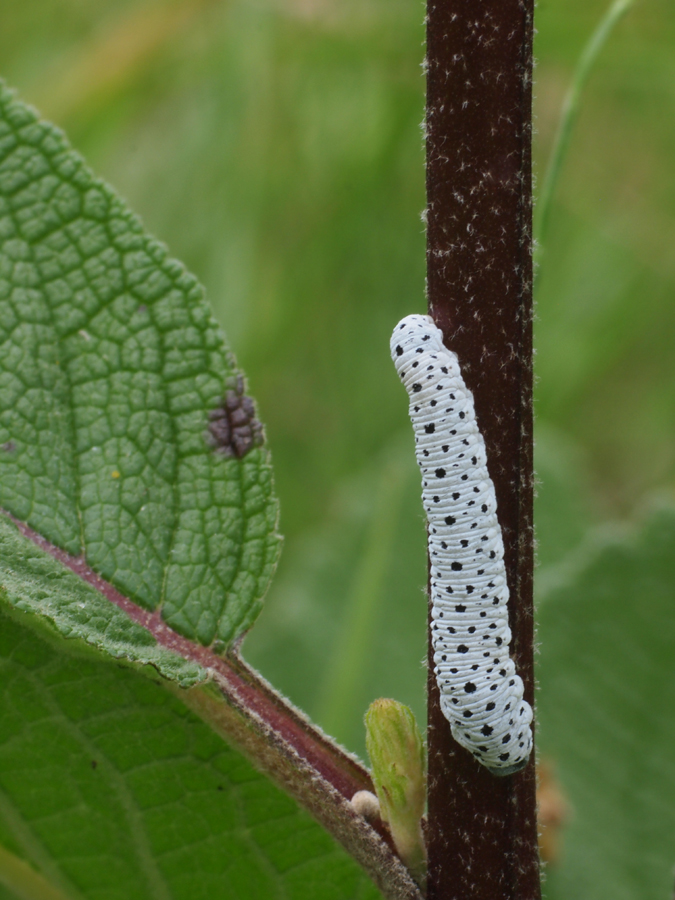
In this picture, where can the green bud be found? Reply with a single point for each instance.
(396, 754)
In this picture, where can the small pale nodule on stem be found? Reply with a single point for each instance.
(398, 763)
(366, 805)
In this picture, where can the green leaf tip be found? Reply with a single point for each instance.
(126, 435)
(397, 757)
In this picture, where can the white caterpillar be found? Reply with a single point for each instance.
(481, 695)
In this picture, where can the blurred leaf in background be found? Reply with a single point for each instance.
(607, 712)
(606, 443)
(605, 334)
(275, 146)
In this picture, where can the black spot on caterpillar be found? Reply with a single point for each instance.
(467, 554)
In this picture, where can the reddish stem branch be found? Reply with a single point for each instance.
(482, 829)
(235, 678)
(276, 737)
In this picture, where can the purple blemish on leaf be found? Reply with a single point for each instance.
(233, 427)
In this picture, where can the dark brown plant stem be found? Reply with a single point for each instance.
(482, 832)
(276, 737)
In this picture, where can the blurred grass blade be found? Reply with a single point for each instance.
(568, 117)
(114, 56)
(343, 674)
(23, 881)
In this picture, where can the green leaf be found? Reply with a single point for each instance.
(60, 602)
(110, 788)
(71, 602)
(605, 708)
(139, 496)
(112, 369)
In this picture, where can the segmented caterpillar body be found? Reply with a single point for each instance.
(481, 695)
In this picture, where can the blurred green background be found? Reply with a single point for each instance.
(275, 146)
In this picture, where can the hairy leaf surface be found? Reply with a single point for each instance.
(128, 448)
(110, 788)
(112, 374)
(58, 601)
